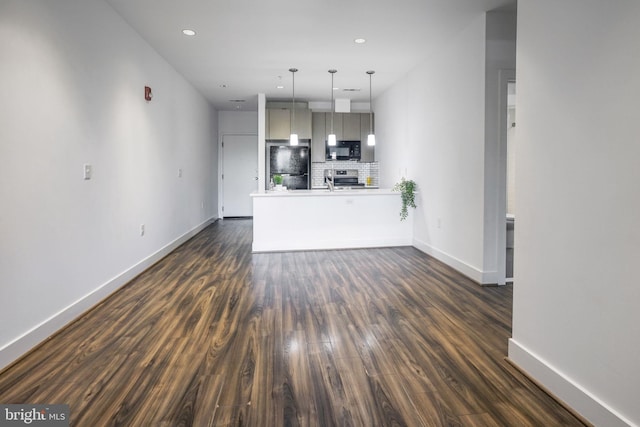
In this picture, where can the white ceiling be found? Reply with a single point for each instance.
(249, 45)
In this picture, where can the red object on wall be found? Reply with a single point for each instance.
(147, 93)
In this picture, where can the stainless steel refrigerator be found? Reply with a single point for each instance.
(292, 162)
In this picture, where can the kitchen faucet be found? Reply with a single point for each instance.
(329, 179)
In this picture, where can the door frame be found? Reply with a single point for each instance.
(505, 77)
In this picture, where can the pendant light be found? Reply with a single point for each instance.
(293, 139)
(371, 139)
(331, 139)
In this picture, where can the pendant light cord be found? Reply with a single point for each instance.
(370, 104)
(332, 106)
(293, 98)
(332, 102)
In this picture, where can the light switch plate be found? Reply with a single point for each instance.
(88, 171)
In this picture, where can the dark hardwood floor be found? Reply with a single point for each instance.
(216, 335)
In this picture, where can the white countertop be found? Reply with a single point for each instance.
(324, 193)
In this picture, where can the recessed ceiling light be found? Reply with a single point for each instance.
(279, 87)
(188, 32)
(360, 41)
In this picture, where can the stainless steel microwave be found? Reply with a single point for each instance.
(344, 150)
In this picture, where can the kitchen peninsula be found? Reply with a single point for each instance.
(322, 219)
(309, 216)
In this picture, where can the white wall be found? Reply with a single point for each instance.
(238, 122)
(576, 323)
(430, 127)
(72, 81)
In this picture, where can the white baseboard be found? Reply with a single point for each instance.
(564, 388)
(318, 245)
(475, 274)
(21, 345)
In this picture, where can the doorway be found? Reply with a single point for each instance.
(239, 174)
(511, 143)
(505, 216)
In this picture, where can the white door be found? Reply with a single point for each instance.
(239, 174)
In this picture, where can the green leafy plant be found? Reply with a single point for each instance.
(407, 188)
(277, 179)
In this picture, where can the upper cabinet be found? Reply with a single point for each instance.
(350, 126)
(367, 152)
(347, 127)
(319, 136)
(278, 122)
(303, 123)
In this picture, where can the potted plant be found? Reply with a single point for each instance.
(277, 180)
(407, 188)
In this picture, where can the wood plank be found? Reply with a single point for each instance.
(214, 335)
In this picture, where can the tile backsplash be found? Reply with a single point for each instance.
(365, 169)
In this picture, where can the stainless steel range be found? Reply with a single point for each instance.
(343, 177)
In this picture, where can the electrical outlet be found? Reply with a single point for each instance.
(179, 173)
(141, 230)
(439, 222)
